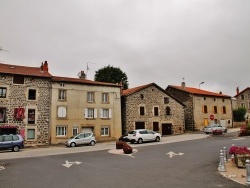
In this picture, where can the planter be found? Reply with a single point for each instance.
(127, 149)
(120, 144)
(240, 160)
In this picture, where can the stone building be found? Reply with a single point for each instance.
(203, 107)
(151, 107)
(25, 102)
(243, 98)
(80, 105)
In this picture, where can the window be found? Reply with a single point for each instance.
(249, 106)
(75, 131)
(141, 96)
(156, 126)
(205, 98)
(2, 115)
(61, 112)
(32, 94)
(105, 131)
(214, 99)
(243, 105)
(105, 97)
(204, 109)
(3, 91)
(31, 116)
(168, 110)
(62, 84)
(90, 97)
(18, 79)
(224, 111)
(30, 133)
(142, 110)
(205, 121)
(105, 113)
(215, 110)
(62, 95)
(90, 113)
(166, 100)
(61, 131)
(242, 97)
(156, 111)
(223, 100)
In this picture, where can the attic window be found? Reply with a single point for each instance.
(61, 84)
(141, 96)
(18, 79)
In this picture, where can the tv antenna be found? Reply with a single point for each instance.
(1, 49)
(87, 68)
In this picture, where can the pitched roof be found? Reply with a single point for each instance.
(248, 88)
(136, 89)
(196, 91)
(23, 70)
(82, 81)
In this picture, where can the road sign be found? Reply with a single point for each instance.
(211, 117)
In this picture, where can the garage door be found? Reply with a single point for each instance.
(87, 130)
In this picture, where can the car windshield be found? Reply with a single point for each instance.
(131, 132)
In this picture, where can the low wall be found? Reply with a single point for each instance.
(239, 124)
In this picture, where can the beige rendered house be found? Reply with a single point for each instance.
(151, 107)
(243, 98)
(80, 105)
(25, 102)
(203, 107)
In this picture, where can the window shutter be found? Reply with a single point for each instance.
(101, 113)
(59, 112)
(64, 112)
(86, 113)
(95, 113)
(110, 113)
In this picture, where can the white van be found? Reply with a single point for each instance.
(81, 139)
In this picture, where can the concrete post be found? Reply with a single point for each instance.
(247, 172)
(220, 160)
(225, 154)
(222, 168)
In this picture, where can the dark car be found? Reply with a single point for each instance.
(11, 142)
(124, 138)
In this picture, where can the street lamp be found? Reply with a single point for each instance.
(200, 84)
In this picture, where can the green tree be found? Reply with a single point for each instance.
(239, 113)
(112, 74)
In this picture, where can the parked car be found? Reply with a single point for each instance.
(124, 138)
(81, 139)
(214, 127)
(143, 135)
(11, 142)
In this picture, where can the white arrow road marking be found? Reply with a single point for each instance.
(1, 167)
(239, 139)
(69, 164)
(172, 154)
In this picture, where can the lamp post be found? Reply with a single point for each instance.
(200, 84)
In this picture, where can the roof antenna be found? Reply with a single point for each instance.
(87, 68)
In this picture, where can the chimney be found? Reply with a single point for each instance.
(237, 90)
(220, 92)
(82, 75)
(44, 66)
(183, 85)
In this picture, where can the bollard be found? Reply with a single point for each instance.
(247, 172)
(220, 161)
(232, 157)
(225, 154)
(222, 168)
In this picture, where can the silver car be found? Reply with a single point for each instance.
(214, 127)
(81, 139)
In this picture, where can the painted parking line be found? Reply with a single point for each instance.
(238, 138)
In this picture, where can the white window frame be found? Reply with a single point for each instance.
(90, 97)
(33, 138)
(3, 92)
(106, 113)
(105, 131)
(61, 111)
(62, 94)
(61, 130)
(105, 97)
(90, 113)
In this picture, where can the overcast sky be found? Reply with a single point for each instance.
(161, 41)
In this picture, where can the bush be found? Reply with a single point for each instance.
(244, 131)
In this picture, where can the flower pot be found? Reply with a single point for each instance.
(240, 160)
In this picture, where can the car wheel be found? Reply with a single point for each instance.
(140, 141)
(225, 131)
(92, 143)
(157, 139)
(15, 148)
(73, 144)
(131, 142)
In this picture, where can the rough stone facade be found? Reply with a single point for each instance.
(149, 98)
(17, 96)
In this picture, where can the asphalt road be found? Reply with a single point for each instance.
(194, 165)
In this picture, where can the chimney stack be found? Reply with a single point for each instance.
(237, 90)
(44, 66)
(183, 85)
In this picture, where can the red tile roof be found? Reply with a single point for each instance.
(135, 89)
(199, 91)
(23, 70)
(82, 81)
